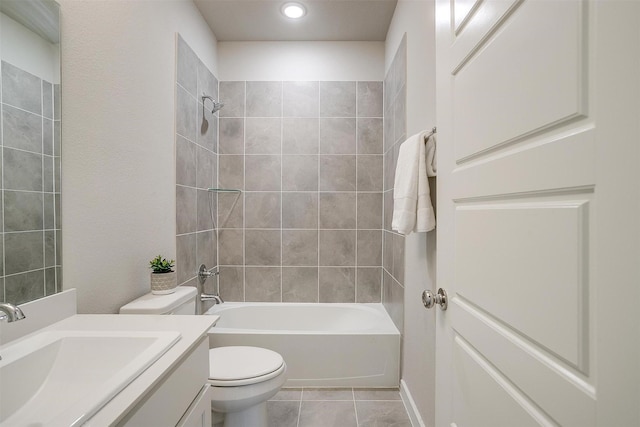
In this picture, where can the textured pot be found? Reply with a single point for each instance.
(163, 283)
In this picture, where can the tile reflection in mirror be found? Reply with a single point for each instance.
(30, 262)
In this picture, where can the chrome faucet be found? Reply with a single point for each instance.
(217, 299)
(203, 275)
(10, 313)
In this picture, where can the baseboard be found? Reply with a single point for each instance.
(410, 405)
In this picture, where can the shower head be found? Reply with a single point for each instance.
(217, 106)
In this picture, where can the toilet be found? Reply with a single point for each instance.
(242, 378)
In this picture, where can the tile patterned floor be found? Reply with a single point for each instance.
(339, 407)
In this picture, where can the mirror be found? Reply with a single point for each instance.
(30, 226)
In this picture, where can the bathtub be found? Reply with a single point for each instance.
(324, 345)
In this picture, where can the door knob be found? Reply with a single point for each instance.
(429, 299)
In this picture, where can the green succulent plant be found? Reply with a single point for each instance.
(161, 265)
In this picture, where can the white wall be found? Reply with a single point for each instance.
(417, 19)
(118, 167)
(310, 61)
(28, 51)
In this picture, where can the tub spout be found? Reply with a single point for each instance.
(217, 299)
(203, 274)
(10, 313)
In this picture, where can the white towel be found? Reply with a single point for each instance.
(412, 209)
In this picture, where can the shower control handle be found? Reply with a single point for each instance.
(429, 299)
(203, 273)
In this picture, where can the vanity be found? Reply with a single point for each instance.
(60, 368)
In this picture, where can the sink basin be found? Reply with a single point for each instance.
(62, 378)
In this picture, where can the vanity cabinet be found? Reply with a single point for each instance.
(199, 413)
(92, 379)
(181, 398)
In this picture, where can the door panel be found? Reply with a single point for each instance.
(531, 263)
(533, 133)
(541, 85)
(462, 11)
(563, 394)
(473, 33)
(553, 162)
(481, 389)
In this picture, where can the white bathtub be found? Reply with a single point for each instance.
(326, 345)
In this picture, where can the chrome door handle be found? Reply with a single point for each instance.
(429, 299)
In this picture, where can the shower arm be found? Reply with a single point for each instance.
(217, 106)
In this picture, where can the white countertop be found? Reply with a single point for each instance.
(191, 329)
(58, 313)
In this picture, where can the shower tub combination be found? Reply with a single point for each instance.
(324, 345)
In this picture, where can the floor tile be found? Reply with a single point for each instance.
(327, 394)
(377, 394)
(327, 414)
(288, 394)
(380, 413)
(283, 413)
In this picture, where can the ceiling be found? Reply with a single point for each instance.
(41, 17)
(326, 20)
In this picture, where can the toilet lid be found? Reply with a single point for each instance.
(235, 363)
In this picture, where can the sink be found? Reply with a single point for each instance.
(62, 378)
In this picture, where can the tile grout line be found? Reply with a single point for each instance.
(15, 107)
(385, 150)
(44, 244)
(25, 272)
(355, 261)
(244, 204)
(28, 231)
(384, 173)
(216, 183)
(318, 196)
(281, 204)
(56, 235)
(198, 160)
(355, 409)
(299, 409)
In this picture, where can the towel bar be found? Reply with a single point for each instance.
(430, 134)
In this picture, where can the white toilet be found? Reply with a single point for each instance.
(242, 378)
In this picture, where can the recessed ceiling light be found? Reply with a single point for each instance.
(293, 10)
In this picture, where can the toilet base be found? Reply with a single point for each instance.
(254, 416)
(217, 419)
(246, 405)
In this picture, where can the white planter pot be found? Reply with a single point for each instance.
(163, 283)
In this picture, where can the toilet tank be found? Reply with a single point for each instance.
(182, 301)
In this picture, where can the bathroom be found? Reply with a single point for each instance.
(125, 182)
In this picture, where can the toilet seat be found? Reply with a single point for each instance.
(234, 366)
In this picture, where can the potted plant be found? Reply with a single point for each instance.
(163, 278)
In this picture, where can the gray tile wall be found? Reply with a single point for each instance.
(309, 159)
(196, 166)
(394, 134)
(30, 238)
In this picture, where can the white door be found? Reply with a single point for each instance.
(538, 213)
